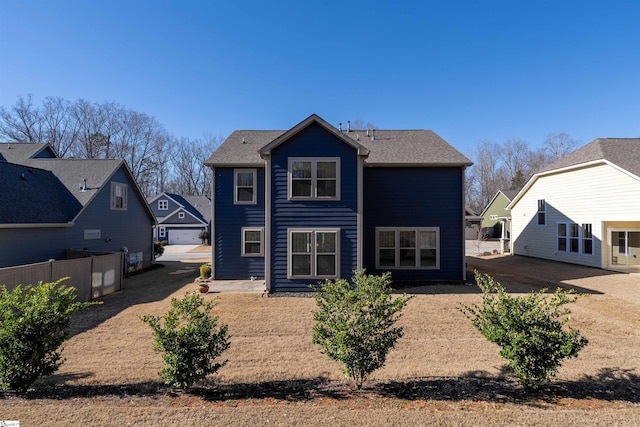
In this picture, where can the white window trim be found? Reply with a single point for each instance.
(313, 231)
(581, 239)
(180, 215)
(314, 179)
(417, 230)
(243, 241)
(114, 186)
(254, 172)
(544, 211)
(163, 205)
(162, 232)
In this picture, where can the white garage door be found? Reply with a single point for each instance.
(184, 237)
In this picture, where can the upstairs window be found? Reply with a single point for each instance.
(244, 183)
(118, 196)
(314, 178)
(163, 205)
(542, 212)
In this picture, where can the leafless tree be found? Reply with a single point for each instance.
(22, 122)
(189, 156)
(558, 145)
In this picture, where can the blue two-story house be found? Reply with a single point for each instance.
(317, 202)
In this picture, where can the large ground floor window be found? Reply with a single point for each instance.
(407, 248)
(313, 253)
(575, 238)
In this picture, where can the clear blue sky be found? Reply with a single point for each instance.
(469, 70)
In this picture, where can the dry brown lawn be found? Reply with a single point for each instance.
(443, 372)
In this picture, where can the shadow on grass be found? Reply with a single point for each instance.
(608, 385)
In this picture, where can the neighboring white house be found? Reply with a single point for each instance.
(583, 209)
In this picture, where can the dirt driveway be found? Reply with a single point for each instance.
(514, 271)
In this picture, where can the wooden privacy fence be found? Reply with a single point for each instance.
(92, 276)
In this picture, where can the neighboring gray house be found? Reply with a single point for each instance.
(181, 219)
(583, 209)
(49, 205)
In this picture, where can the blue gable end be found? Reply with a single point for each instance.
(420, 198)
(312, 142)
(230, 219)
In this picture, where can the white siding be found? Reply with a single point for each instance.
(589, 195)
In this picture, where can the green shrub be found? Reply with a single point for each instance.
(158, 249)
(355, 322)
(528, 329)
(190, 339)
(204, 236)
(205, 271)
(34, 322)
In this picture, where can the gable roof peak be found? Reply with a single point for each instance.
(313, 119)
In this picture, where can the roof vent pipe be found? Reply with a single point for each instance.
(84, 185)
(348, 125)
(340, 127)
(243, 140)
(373, 134)
(367, 132)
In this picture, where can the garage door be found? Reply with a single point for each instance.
(184, 237)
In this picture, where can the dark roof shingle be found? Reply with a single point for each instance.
(389, 147)
(623, 152)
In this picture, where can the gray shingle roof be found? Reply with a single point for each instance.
(390, 148)
(15, 152)
(241, 148)
(71, 172)
(409, 147)
(34, 196)
(623, 152)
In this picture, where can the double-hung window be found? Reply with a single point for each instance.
(252, 243)
(314, 253)
(314, 178)
(575, 238)
(244, 184)
(118, 196)
(542, 212)
(408, 248)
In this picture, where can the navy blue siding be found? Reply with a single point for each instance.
(229, 221)
(416, 197)
(313, 141)
(132, 228)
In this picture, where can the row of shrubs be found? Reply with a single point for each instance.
(355, 326)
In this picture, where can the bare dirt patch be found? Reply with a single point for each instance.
(443, 372)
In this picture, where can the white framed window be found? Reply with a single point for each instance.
(314, 178)
(162, 232)
(118, 196)
(252, 241)
(575, 238)
(163, 205)
(244, 184)
(408, 248)
(314, 253)
(542, 212)
(493, 217)
(181, 215)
